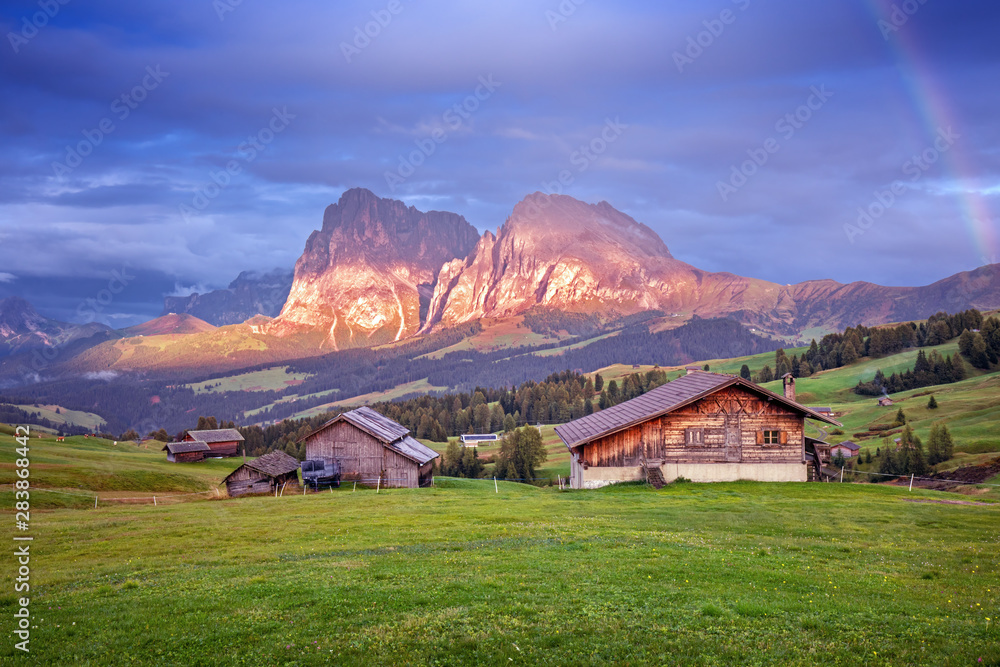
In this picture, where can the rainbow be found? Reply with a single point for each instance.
(930, 101)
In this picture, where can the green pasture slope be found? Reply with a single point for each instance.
(740, 573)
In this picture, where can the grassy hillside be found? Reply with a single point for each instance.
(270, 379)
(94, 466)
(743, 573)
(65, 416)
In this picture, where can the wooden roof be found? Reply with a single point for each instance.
(275, 464)
(665, 398)
(413, 449)
(217, 435)
(184, 447)
(391, 434)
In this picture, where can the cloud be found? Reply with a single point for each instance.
(101, 375)
(7, 277)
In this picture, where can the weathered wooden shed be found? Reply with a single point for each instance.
(372, 449)
(186, 452)
(221, 441)
(702, 426)
(263, 474)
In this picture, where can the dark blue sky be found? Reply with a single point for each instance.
(468, 107)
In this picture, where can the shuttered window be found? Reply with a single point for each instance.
(694, 436)
(772, 437)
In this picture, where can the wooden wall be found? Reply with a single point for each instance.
(362, 457)
(223, 448)
(246, 480)
(186, 457)
(731, 420)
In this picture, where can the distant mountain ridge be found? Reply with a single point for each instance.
(22, 328)
(252, 293)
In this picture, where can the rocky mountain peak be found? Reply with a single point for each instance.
(367, 276)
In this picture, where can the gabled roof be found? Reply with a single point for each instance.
(391, 434)
(665, 398)
(275, 464)
(849, 445)
(822, 411)
(184, 447)
(217, 435)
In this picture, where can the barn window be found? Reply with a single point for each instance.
(694, 436)
(772, 437)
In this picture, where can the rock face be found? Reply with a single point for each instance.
(251, 294)
(367, 276)
(557, 252)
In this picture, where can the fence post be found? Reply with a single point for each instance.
(841, 474)
(280, 495)
(95, 502)
(154, 501)
(495, 487)
(911, 482)
(355, 486)
(378, 484)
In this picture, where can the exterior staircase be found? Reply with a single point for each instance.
(654, 476)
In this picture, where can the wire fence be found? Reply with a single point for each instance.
(381, 484)
(916, 478)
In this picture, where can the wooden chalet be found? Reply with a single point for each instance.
(884, 402)
(264, 474)
(371, 449)
(188, 451)
(222, 441)
(702, 426)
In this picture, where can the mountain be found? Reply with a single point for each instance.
(169, 324)
(559, 253)
(22, 328)
(252, 293)
(368, 275)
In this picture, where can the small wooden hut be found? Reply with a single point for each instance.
(221, 441)
(372, 449)
(263, 475)
(186, 452)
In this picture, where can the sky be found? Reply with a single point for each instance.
(162, 148)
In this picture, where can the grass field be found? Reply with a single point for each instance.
(270, 379)
(77, 417)
(496, 335)
(81, 468)
(734, 574)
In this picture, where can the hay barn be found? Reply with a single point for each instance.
(372, 449)
(221, 441)
(263, 475)
(702, 426)
(188, 451)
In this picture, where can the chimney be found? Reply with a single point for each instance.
(789, 383)
(692, 369)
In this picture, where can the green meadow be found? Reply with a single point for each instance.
(723, 574)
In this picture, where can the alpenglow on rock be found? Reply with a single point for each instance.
(367, 276)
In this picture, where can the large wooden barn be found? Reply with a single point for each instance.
(221, 441)
(702, 426)
(372, 449)
(264, 474)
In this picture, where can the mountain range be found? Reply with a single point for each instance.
(378, 272)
